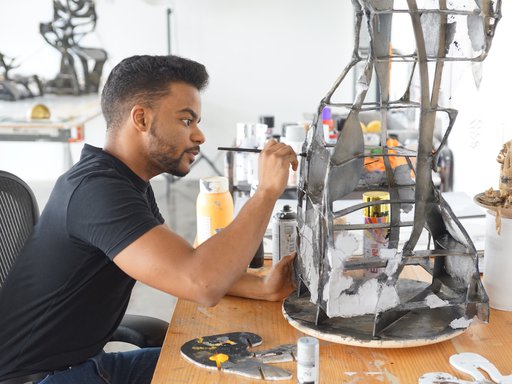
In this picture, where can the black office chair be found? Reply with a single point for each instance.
(18, 214)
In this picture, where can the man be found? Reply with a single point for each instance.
(101, 231)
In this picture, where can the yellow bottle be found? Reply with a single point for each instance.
(214, 207)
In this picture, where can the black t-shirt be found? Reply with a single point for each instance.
(64, 297)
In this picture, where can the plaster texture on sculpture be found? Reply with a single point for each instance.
(433, 301)
(345, 245)
(461, 322)
(329, 266)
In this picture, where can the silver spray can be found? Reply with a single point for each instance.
(284, 232)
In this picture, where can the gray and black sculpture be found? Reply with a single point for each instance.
(16, 87)
(337, 299)
(72, 20)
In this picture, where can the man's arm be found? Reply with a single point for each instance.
(162, 259)
(274, 286)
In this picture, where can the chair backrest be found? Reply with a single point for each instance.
(18, 214)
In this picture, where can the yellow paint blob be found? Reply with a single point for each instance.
(219, 358)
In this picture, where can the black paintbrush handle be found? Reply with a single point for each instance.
(253, 150)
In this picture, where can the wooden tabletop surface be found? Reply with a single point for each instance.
(338, 363)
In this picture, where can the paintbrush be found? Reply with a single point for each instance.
(253, 150)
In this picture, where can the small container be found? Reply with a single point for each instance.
(375, 238)
(308, 351)
(284, 232)
(214, 207)
(295, 136)
(330, 135)
(259, 257)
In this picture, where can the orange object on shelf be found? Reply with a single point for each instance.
(376, 164)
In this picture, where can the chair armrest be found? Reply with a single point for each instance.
(142, 331)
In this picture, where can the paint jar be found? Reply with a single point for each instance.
(308, 351)
(284, 232)
(330, 135)
(259, 257)
(214, 207)
(294, 137)
(375, 238)
(498, 262)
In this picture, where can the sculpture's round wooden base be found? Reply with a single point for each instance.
(416, 328)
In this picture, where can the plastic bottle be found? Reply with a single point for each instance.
(308, 351)
(269, 122)
(295, 135)
(330, 135)
(214, 207)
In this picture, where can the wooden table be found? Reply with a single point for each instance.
(338, 363)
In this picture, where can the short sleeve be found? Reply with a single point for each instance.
(110, 213)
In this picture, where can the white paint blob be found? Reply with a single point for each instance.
(461, 322)
(433, 301)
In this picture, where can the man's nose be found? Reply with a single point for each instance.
(198, 136)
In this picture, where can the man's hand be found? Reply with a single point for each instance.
(279, 282)
(274, 167)
(274, 286)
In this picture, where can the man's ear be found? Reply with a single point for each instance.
(141, 117)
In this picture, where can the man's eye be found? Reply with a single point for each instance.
(187, 122)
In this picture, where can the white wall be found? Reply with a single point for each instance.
(484, 120)
(264, 57)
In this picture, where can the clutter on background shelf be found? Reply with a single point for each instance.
(17, 87)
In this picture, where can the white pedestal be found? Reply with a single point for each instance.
(498, 263)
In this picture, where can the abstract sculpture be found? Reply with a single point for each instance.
(72, 20)
(337, 300)
(16, 87)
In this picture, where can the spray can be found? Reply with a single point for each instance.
(308, 351)
(214, 207)
(375, 238)
(284, 231)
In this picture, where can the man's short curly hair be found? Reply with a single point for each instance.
(143, 80)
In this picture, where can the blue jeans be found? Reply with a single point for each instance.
(132, 367)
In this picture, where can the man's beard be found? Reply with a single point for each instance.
(160, 158)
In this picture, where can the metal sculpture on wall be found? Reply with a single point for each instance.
(72, 20)
(343, 295)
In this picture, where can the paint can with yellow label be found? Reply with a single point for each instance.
(375, 239)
